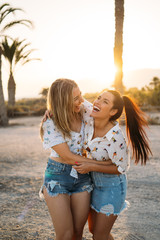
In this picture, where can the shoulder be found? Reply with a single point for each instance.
(48, 124)
(87, 109)
(87, 105)
(116, 135)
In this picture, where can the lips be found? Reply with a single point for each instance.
(96, 109)
(78, 107)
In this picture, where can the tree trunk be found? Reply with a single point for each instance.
(118, 45)
(3, 109)
(11, 90)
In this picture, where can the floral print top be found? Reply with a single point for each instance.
(53, 136)
(111, 146)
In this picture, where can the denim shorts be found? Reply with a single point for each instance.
(109, 193)
(57, 180)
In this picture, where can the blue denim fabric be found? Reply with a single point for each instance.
(109, 193)
(57, 180)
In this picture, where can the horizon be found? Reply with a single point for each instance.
(79, 44)
(132, 75)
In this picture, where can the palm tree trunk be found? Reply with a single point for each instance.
(118, 45)
(11, 90)
(3, 110)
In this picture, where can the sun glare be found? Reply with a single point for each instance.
(80, 43)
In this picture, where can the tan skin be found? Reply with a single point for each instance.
(100, 224)
(69, 213)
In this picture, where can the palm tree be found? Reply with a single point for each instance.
(3, 111)
(44, 92)
(118, 45)
(5, 11)
(155, 83)
(15, 53)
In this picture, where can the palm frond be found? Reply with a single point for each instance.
(25, 22)
(8, 11)
(7, 36)
(16, 52)
(8, 51)
(20, 55)
(4, 5)
(23, 47)
(31, 59)
(20, 51)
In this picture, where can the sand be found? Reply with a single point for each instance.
(22, 164)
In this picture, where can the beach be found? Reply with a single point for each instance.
(22, 164)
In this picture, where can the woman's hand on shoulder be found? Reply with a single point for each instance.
(47, 115)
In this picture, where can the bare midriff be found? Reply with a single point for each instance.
(58, 159)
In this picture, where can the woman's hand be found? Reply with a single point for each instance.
(83, 167)
(86, 167)
(47, 114)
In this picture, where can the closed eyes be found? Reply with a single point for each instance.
(77, 97)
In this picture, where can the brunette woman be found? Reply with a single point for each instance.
(104, 140)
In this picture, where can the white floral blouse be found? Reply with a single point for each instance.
(53, 136)
(111, 146)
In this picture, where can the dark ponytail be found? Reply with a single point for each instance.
(135, 123)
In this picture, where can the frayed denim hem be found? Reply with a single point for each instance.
(41, 195)
(105, 211)
(87, 188)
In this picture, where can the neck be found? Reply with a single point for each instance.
(76, 117)
(101, 127)
(101, 124)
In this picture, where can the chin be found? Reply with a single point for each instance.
(93, 114)
(77, 110)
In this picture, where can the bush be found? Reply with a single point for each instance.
(154, 121)
(15, 111)
(90, 97)
(27, 107)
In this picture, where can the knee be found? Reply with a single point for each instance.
(98, 235)
(67, 235)
(78, 233)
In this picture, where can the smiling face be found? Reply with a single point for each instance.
(77, 99)
(103, 106)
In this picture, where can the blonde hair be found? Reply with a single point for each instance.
(61, 105)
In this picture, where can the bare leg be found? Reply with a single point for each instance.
(92, 222)
(80, 203)
(103, 226)
(110, 237)
(60, 211)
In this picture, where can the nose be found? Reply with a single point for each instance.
(97, 102)
(81, 99)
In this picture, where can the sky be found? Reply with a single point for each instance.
(75, 39)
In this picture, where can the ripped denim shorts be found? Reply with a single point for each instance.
(57, 180)
(109, 193)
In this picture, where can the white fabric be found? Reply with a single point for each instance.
(111, 146)
(53, 136)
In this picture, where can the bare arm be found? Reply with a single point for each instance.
(95, 167)
(70, 158)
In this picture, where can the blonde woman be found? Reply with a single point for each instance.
(66, 192)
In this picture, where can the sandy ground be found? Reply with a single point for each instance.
(22, 164)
